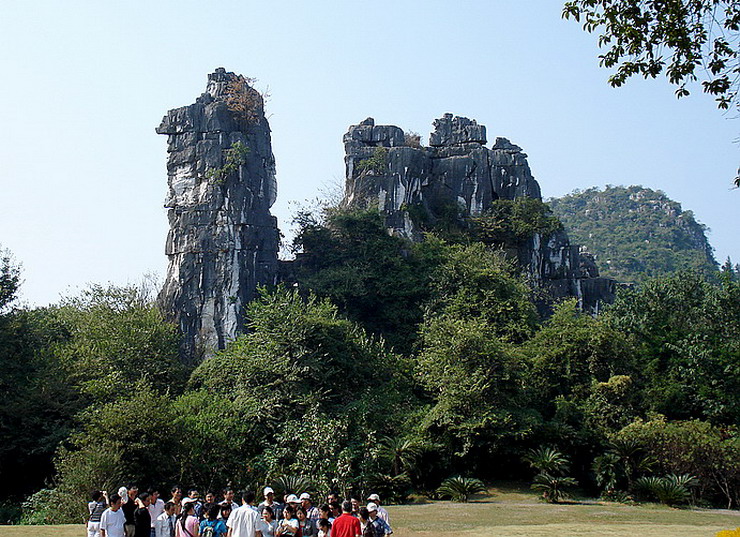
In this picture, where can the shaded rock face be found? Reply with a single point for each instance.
(458, 176)
(223, 241)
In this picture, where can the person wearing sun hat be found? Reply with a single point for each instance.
(382, 513)
(270, 502)
(311, 511)
(379, 525)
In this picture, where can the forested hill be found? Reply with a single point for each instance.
(635, 232)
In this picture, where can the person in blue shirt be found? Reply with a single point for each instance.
(212, 526)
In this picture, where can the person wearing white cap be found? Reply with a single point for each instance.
(382, 513)
(380, 526)
(270, 502)
(311, 511)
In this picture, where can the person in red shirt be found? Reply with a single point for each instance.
(346, 525)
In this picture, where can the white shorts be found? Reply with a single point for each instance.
(93, 529)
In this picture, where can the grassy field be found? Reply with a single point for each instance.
(513, 512)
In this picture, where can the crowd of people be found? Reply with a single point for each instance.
(130, 513)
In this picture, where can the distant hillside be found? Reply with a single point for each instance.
(636, 233)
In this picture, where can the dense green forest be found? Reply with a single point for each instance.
(386, 365)
(635, 233)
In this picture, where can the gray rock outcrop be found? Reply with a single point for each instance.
(457, 177)
(222, 241)
(456, 173)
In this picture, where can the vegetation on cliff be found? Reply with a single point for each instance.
(635, 233)
(384, 365)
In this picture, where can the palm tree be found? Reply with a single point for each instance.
(547, 460)
(553, 489)
(459, 489)
(606, 469)
(400, 453)
(632, 458)
(293, 483)
(670, 490)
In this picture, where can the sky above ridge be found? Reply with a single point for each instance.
(85, 83)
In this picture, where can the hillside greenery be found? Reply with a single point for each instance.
(384, 366)
(635, 233)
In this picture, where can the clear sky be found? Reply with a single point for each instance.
(84, 84)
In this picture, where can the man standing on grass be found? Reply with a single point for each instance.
(346, 525)
(165, 523)
(229, 499)
(311, 511)
(112, 519)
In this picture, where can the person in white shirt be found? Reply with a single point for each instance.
(229, 499)
(244, 521)
(269, 525)
(382, 513)
(155, 507)
(164, 525)
(112, 519)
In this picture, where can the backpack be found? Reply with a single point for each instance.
(209, 531)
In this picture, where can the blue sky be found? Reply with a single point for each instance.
(85, 83)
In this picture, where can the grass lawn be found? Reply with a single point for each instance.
(515, 512)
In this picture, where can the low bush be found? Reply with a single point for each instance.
(460, 489)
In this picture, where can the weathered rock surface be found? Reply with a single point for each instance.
(223, 241)
(459, 176)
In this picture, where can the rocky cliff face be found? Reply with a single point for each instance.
(456, 171)
(457, 175)
(222, 241)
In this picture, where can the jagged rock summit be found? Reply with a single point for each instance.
(458, 175)
(457, 169)
(223, 241)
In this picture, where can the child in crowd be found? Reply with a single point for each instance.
(212, 526)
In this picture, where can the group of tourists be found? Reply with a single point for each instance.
(130, 513)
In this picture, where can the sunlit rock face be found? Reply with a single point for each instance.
(222, 241)
(458, 175)
(456, 170)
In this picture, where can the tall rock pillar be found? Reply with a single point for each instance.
(223, 241)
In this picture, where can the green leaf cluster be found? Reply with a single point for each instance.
(684, 332)
(375, 279)
(513, 222)
(690, 448)
(685, 40)
(376, 164)
(234, 157)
